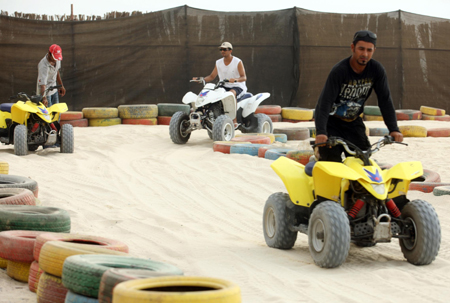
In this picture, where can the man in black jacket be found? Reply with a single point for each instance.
(347, 88)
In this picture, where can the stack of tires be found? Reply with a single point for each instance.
(432, 113)
(166, 111)
(372, 113)
(273, 111)
(76, 119)
(141, 114)
(408, 114)
(102, 116)
(296, 114)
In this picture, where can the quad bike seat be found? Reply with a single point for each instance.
(245, 96)
(6, 107)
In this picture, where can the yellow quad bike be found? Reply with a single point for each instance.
(28, 124)
(354, 201)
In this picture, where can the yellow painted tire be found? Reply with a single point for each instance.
(100, 112)
(271, 136)
(138, 111)
(3, 263)
(297, 113)
(413, 131)
(179, 289)
(104, 122)
(54, 253)
(4, 167)
(432, 111)
(373, 118)
(18, 270)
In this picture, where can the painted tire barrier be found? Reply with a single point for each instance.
(275, 118)
(432, 111)
(275, 153)
(34, 276)
(271, 136)
(413, 131)
(300, 156)
(18, 245)
(378, 132)
(252, 139)
(104, 122)
(164, 120)
(438, 132)
(268, 109)
(408, 114)
(83, 240)
(72, 297)
(262, 150)
(441, 190)
(426, 187)
(190, 289)
(100, 112)
(11, 181)
(114, 276)
(138, 111)
(17, 196)
(246, 149)
(82, 273)
(4, 168)
(143, 121)
(297, 113)
(38, 218)
(280, 138)
(224, 146)
(18, 270)
(294, 133)
(372, 110)
(3, 263)
(437, 118)
(76, 123)
(50, 289)
(168, 109)
(54, 253)
(71, 115)
(373, 118)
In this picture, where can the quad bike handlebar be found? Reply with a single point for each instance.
(202, 80)
(35, 98)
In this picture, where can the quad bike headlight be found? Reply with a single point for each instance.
(378, 188)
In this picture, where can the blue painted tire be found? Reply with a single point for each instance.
(273, 154)
(280, 138)
(72, 297)
(246, 149)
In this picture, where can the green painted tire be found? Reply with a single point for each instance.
(372, 110)
(11, 181)
(138, 111)
(168, 109)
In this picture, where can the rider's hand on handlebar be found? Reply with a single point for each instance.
(398, 136)
(319, 139)
(44, 101)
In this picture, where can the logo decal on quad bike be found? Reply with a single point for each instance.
(204, 94)
(375, 177)
(43, 110)
(259, 96)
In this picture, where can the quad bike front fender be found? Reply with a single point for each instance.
(405, 172)
(3, 117)
(20, 112)
(189, 98)
(298, 184)
(58, 108)
(250, 105)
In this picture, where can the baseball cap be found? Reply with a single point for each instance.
(366, 36)
(226, 45)
(56, 52)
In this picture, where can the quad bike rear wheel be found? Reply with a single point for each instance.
(276, 220)
(67, 142)
(424, 230)
(178, 128)
(20, 140)
(223, 129)
(264, 124)
(329, 235)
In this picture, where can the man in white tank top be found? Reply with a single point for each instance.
(231, 68)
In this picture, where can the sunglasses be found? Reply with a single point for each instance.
(362, 34)
(224, 49)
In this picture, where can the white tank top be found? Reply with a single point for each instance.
(230, 71)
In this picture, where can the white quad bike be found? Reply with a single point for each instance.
(214, 110)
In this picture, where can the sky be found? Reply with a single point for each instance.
(434, 8)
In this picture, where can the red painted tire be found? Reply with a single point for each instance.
(70, 115)
(263, 149)
(79, 239)
(300, 156)
(164, 120)
(426, 187)
(268, 109)
(252, 139)
(437, 118)
(275, 118)
(302, 133)
(35, 274)
(18, 245)
(142, 121)
(76, 123)
(438, 132)
(17, 196)
(51, 289)
(408, 114)
(225, 146)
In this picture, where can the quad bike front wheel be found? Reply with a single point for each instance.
(276, 220)
(223, 129)
(424, 229)
(67, 140)
(329, 235)
(20, 140)
(178, 127)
